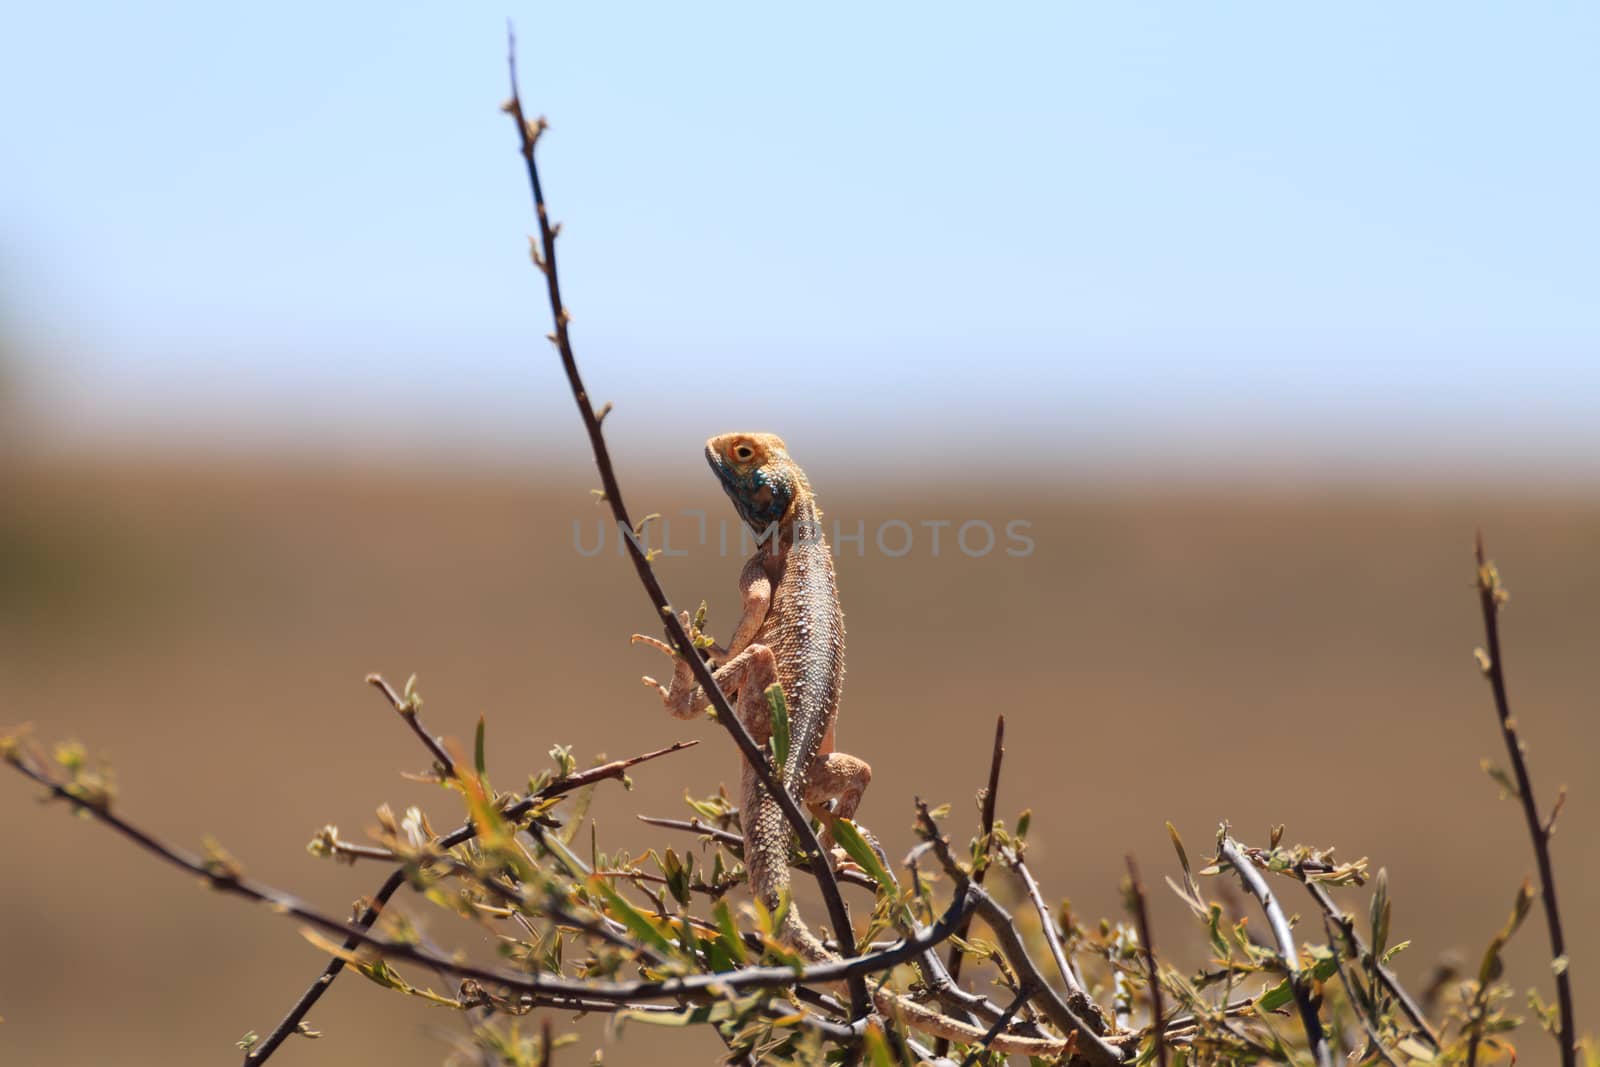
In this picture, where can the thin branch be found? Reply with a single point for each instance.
(941, 1047)
(1413, 1011)
(290, 1023)
(1288, 955)
(407, 710)
(998, 1027)
(528, 133)
(1141, 915)
(1094, 1048)
(1491, 594)
(1350, 994)
(228, 879)
(1057, 952)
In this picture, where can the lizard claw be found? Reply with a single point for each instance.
(651, 683)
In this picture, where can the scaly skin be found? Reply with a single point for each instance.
(792, 631)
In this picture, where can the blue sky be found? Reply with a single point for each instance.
(1038, 235)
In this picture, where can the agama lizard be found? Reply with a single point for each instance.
(791, 631)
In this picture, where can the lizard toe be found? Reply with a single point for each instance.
(659, 645)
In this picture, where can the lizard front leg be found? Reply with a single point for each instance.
(685, 699)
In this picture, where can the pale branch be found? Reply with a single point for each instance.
(1491, 594)
(1288, 955)
(528, 134)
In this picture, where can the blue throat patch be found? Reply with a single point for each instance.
(759, 509)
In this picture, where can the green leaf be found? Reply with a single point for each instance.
(677, 876)
(632, 918)
(779, 707)
(1282, 995)
(730, 940)
(1379, 916)
(856, 847)
(1395, 950)
(478, 760)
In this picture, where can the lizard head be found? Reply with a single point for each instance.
(757, 474)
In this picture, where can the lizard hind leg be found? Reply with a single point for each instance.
(833, 791)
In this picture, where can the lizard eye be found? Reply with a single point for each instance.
(743, 452)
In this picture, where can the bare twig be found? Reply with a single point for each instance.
(1288, 955)
(1407, 1003)
(942, 1046)
(1141, 915)
(1069, 974)
(528, 133)
(407, 710)
(1491, 594)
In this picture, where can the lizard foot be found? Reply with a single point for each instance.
(664, 647)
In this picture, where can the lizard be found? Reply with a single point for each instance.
(791, 631)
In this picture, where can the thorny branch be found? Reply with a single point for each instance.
(1491, 594)
(529, 133)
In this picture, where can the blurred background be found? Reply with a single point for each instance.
(1249, 319)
